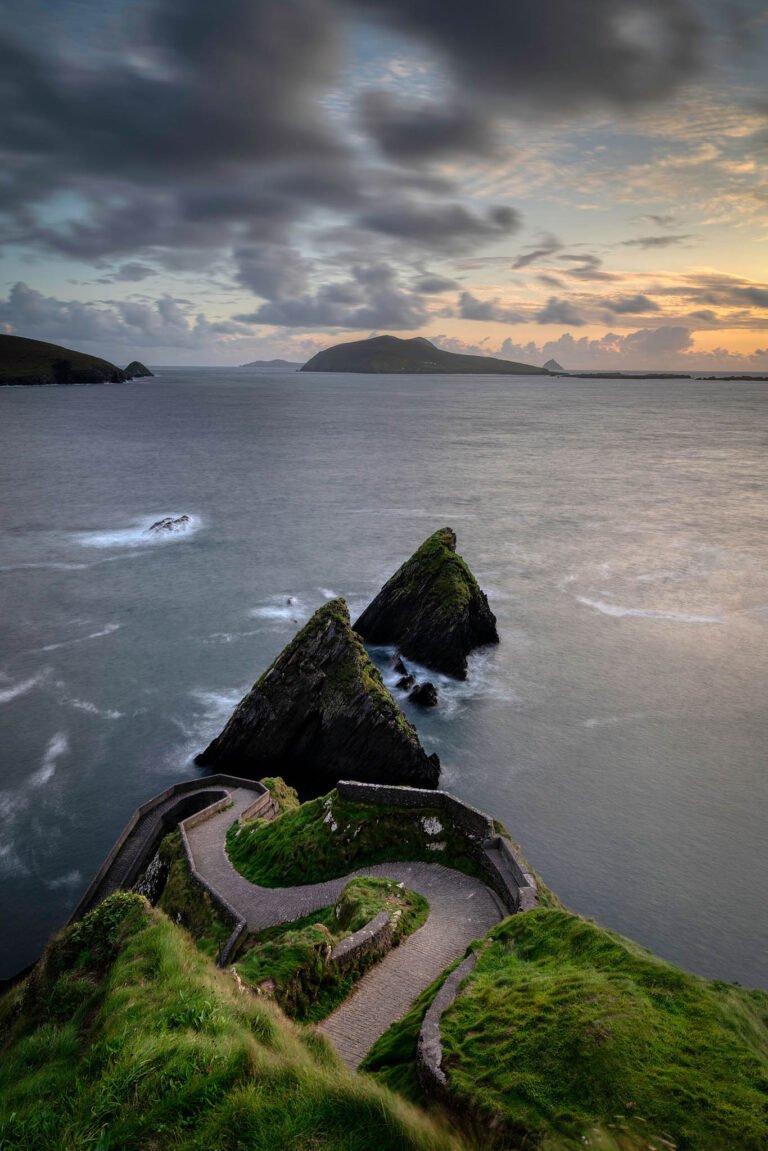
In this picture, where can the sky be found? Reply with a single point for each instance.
(193, 183)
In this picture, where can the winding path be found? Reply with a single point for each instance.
(460, 909)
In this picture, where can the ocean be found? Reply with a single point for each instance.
(620, 728)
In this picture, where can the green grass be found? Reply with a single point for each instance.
(331, 836)
(188, 904)
(286, 797)
(568, 1035)
(294, 956)
(126, 1038)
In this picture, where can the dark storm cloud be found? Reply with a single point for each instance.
(445, 226)
(424, 130)
(631, 305)
(470, 308)
(648, 242)
(560, 312)
(130, 273)
(435, 285)
(557, 54)
(371, 298)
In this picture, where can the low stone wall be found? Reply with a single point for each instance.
(429, 1046)
(496, 856)
(140, 837)
(220, 903)
(378, 935)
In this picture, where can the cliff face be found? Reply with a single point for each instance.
(432, 609)
(320, 714)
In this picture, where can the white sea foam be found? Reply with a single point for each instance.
(230, 636)
(454, 695)
(7, 694)
(328, 593)
(612, 720)
(282, 608)
(57, 747)
(108, 629)
(71, 879)
(92, 708)
(616, 610)
(139, 535)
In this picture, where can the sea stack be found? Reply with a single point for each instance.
(432, 609)
(320, 714)
(136, 370)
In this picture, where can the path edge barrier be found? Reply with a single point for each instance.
(502, 865)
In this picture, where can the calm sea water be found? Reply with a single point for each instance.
(619, 730)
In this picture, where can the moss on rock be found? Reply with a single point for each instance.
(321, 713)
(432, 608)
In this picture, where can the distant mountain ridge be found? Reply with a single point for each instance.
(414, 356)
(273, 365)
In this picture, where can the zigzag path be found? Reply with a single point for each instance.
(460, 909)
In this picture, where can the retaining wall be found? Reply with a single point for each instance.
(376, 935)
(502, 867)
(141, 836)
(429, 1046)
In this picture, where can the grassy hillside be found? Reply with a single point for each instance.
(568, 1036)
(126, 1037)
(330, 836)
(293, 955)
(24, 361)
(391, 354)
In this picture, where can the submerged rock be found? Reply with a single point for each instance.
(424, 694)
(320, 714)
(432, 609)
(169, 524)
(406, 682)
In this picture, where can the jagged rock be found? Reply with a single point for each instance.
(320, 714)
(406, 682)
(169, 524)
(432, 609)
(424, 694)
(398, 665)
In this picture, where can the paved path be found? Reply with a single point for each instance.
(460, 909)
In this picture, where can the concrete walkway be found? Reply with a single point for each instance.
(460, 909)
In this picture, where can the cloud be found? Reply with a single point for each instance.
(470, 308)
(648, 242)
(560, 55)
(547, 247)
(587, 267)
(434, 285)
(560, 312)
(657, 349)
(130, 273)
(370, 298)
(166, 323)
(447, 227)
(631, 305)
(424, 130)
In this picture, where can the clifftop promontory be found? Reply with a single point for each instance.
(432, 609)
(415, 356)
(24, 361)
(321, 713)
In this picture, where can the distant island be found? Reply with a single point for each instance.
(273, 365)
(553, 366)
(418, 355)
(24, 361)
